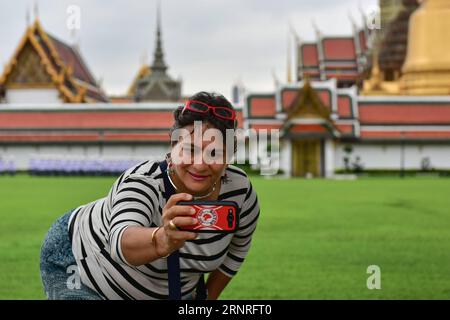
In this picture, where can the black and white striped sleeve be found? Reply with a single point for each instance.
(241, 241)
(132, 205)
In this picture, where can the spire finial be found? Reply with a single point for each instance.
(276, 82)
(295, 34)
(158, 59)
(352, 21)
(36, 9)
(158, 15)
(27, 17)
(289, 62)
(316, 29)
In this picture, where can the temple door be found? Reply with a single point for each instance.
(306, 157)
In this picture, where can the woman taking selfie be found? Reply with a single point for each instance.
(128, 245)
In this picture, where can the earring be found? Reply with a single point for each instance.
(225, 178)
(170, 168)
(169, 163)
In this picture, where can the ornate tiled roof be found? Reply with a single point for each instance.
(61, 64)
(340, 58)
(353, 116)
(157, 85)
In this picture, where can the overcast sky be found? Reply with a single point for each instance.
(209, 44)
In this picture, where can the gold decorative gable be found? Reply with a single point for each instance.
(144, 71)
(308, 105)
(36, 63)
(29, 71)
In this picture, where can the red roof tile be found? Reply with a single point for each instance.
(344, 106)
(109, 136)
(288, 96)
(345, 128)
(268, 127)
(339, 49)
(341, 66)
(88, 119)
(89, 125)
(389, 113)
(308, 128)
(48, 137)
(262, 106)
(310, 55)
(83, 137)
(406, 134)
(73, 59)
(312, 73)
(324, 96)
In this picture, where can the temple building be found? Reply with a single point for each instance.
(426, 70)
(39, 124)
(144, 71)
(342, 58)
(358, 106)
(390, 53)
(45, 69)
(153, 82)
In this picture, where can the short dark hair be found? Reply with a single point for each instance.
(212, 99)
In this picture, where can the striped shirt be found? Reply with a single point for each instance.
(136, 199)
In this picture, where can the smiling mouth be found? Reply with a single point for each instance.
(198, 177)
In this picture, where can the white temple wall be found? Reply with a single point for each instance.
(34, 96)
(389, 155)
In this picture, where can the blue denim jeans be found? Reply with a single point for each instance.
(59, 271)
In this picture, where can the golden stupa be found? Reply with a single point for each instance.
(426, 70)
(389, 52)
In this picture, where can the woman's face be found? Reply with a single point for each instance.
(198, 161)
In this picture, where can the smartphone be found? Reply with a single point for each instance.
(213, 216)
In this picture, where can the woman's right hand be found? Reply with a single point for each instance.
(167, 239)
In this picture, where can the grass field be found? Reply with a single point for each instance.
(315, 238)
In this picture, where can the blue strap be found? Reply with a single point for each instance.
(201, 289)
(173, 264)
(173, 261)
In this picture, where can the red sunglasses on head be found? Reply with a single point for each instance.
(201, 107)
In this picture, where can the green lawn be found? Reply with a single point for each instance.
(315, 238)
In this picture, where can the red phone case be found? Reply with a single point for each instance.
(213, 216)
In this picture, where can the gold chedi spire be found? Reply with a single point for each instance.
(426, 70)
